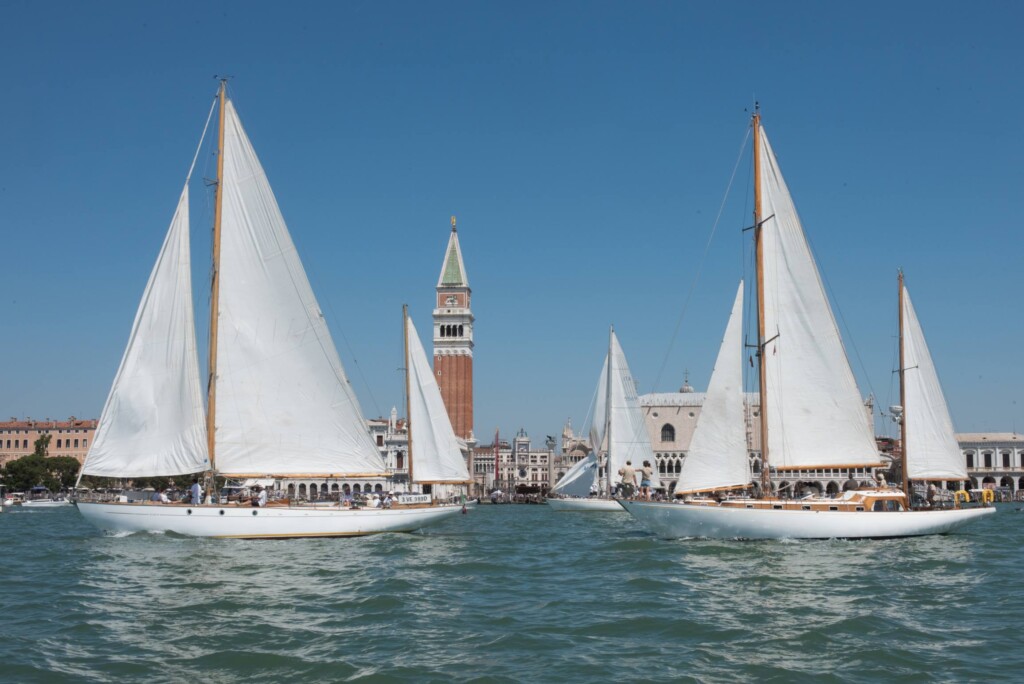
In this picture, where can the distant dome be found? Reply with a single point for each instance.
(686, 388)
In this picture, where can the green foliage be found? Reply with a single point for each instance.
(42, 446)
(28, 471)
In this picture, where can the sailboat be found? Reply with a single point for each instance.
(618, 426)
(811, 412)
(279, 404)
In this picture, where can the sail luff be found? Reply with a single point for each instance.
(211, 377)
(408, 395)
(762, 387)
(905, 478)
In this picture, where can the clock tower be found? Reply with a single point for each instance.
(453, 339)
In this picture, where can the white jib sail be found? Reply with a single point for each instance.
(434, 453)
(816, 416)
(580, 479)
(153, 422)
(717, 458)
(629, 439)
(284, 405)
(931, 450)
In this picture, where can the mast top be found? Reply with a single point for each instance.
(453, 224)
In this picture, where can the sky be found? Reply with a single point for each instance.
(592, 152)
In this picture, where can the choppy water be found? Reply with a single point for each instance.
(507, 594)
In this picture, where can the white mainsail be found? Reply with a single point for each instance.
(629, 440)
(717, 458)
(931, 448)
(284, 405)
(578, 480)
(153, 421)
(816, 417)
(434, 450)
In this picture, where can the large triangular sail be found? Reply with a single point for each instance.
(816, 417)
(284, 403)
(434, 449)
(629, 440)
(717, 458)
(153, 422)
(931, 448)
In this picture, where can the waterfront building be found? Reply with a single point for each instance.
(69, 437)
(995, 460)
(521, 467)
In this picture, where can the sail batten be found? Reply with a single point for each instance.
(284, 403)
(153, 422)
(815, 414)
(717, 457)
(931, 449)
(436, 452)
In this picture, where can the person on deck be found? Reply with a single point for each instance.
(196, 492)
(646, 473)
(259, 499)
(628, 473)
(159, 497)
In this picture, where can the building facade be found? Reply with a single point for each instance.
(521, 467)
(69, 437)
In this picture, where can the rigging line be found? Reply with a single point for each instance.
(700, 265)
(202, 137)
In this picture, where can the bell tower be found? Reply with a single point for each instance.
(453, 339)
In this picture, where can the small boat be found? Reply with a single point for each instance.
(618, 425)
(279, 404)
(811, 411)
(42, 497)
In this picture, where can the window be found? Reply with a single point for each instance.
(380, 440)
(58, 444)
(76, 443)
(85, 442)
(988, 459)
(1006, 459)
(668, 433)
(970, 459)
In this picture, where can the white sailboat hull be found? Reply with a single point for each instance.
(676, 520)
(584, 505)
(259, 523)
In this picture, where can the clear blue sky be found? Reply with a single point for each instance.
(585, 148)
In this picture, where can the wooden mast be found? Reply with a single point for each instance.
(759, 247)
(211, 381)
(408, 396)
(608, 416)
(903, 400)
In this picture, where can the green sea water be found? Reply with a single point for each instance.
(507, 594)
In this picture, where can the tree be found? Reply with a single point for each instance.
(42, 446)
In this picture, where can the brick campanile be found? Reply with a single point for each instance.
(453, 339)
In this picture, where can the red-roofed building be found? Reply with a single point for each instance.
(69, 437)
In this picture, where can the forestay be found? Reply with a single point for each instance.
(284, 405)
(580, 479)
(434, 449)
(931, 448)
(629, 440)
(717, 458)
(816, 417)
(598, 423)
(153, 421)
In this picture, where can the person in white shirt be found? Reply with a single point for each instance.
(159, 497)
(375, 502)
(196, 492)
